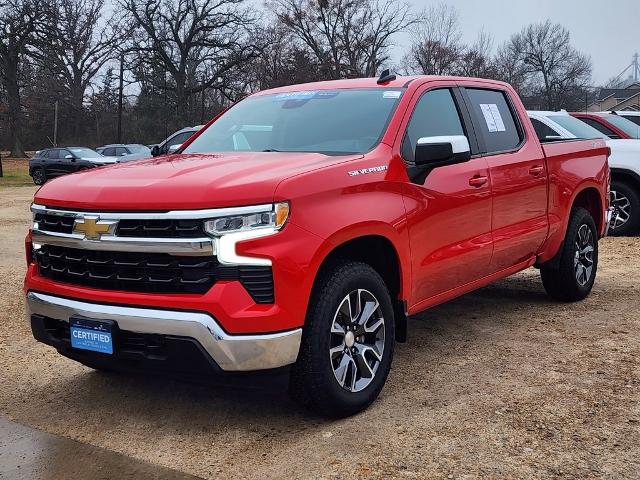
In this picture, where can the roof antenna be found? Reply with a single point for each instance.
(386, 76)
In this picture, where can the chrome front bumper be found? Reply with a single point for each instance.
(230, 352)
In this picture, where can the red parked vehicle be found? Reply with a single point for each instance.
(299, 230)
(612, 125)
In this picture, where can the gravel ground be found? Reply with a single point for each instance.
(501, 383)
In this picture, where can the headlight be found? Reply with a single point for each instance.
(274, 216)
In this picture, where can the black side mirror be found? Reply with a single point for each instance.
(155, 150)
(443, 150)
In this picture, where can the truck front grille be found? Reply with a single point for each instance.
(161, 228)
(54, 223)
(149, 272)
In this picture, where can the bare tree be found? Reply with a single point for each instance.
(554, 69)
(347, 38)
(282, 62)
(476, 59)
(18, 23)
(199, 43)
(436, 47)
(76, 44)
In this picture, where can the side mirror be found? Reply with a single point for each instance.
(69, 157)
(155, 150)
(174, 148)
(443, 150)
(123, 154)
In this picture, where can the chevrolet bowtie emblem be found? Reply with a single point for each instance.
(92, 227)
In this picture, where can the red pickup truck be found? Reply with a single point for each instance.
(300, 229)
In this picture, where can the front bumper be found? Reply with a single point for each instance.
(229, 352)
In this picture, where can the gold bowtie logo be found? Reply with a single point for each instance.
(92, 228)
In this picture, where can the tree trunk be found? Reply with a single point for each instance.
(14, 110)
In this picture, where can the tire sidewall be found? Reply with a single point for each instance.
(327, 304)
(583, 217)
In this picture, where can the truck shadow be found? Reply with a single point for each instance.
(116, 400)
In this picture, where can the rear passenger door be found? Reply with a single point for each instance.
(449, 211)
(518, 177)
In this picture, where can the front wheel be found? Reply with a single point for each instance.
(39, 176)
(572, 278)
(347, 344)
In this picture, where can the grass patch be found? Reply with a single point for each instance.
(15, 173)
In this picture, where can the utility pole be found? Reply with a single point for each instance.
(202, 104)
(55, 125)
(120, 89)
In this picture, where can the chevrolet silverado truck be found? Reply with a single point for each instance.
(624, 162)
(299, 230)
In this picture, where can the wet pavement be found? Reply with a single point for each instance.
(29, 454)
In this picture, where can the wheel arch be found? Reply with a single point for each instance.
(380, 252)
(590, 197)
(627, 176)
(591, 200)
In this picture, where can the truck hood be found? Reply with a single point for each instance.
(182, 182)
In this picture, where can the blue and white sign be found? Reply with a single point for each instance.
(91, 335)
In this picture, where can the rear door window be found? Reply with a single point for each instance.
(495, 121)
(109, 152)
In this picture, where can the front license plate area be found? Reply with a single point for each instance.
(93, 335)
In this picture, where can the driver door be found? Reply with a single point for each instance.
(449, 211)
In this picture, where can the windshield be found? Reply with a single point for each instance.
(136, 148)
(324, 121)
(577, 127)
(85, 153)
(627, 126)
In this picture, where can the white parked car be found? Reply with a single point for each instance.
(624, 163)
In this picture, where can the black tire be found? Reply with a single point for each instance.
(626, 201)
(563, 280)
(39, 176)
(313, 382)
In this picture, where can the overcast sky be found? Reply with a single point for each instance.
(607, 30)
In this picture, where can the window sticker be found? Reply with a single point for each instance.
(391, 94)
(492, 117)
(305, 95)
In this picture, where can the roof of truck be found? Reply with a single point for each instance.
(399, 82)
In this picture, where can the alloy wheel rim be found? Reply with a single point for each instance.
(584, 256)
(357, 340)
(39, 176)
(621, 210)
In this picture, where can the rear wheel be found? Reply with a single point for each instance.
(572, 278)
(626, 209)
(39, 176)
(347, 344)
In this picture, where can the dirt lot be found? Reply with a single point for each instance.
(501, 383)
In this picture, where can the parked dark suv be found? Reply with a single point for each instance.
(53, 162)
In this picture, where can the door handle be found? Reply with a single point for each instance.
(478, 181)
(536, 170)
